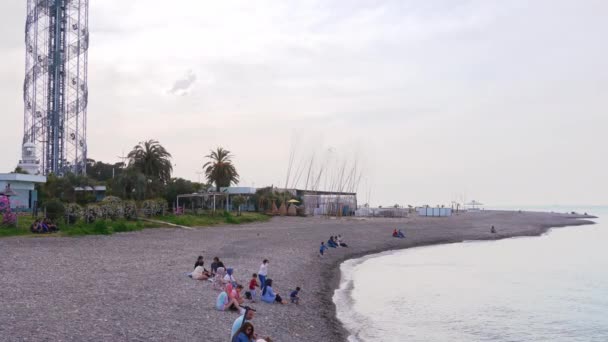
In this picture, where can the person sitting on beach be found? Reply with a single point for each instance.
(395, 233)
(236, 294)
(218, 280)
(322, 249)
(245, 333)
(253, 284)
(200, 261)
(341, 242)
(35, 227)
(216, 264)
(224, 303)
(400, 234)
(493, 230)
(52, 227)
(200, 273)
(331, 242)
(335, 238)
(247, 316)
(295, 296)
(268, 294)
(229, 278)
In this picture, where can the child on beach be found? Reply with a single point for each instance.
(322, 248)
(236, 294)
(253, 283)
(295, 298)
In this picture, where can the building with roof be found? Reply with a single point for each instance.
(24, 188)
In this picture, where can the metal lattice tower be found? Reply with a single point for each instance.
(55, 90)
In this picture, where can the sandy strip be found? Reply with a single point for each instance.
(131, 287)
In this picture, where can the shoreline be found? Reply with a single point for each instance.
(334, 274)
(139, 291)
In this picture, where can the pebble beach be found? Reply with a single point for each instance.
(133, 287)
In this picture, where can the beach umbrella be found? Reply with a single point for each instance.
(293, 201)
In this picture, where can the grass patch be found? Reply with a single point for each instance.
(211, 220)
(99, 227)
(107, 227)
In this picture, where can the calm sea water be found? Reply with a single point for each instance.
(548, 288)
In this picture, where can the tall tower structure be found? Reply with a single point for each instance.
(55, 90)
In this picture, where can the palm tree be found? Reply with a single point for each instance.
(151, 159)
(219, 169)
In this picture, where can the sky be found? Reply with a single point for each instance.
(504, 102)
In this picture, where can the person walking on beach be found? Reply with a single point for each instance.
(263, 273)
(322, 249)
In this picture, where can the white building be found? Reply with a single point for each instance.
(23, 186)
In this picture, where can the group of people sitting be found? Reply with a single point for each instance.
(43, 226)
(334, 241)
(398, 234)
(231, 299)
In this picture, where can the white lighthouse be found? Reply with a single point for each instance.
(29, 162)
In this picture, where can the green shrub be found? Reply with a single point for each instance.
(101, 228)
(229, 218)
(155, 207)
(73, 212)
(54, 209)
(112, 208)
(120, 227)
(92, 213)
(129, 210)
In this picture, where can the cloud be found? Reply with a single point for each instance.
(183, 86)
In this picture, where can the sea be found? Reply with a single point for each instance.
(548, 288)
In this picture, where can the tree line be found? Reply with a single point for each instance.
(145, 174)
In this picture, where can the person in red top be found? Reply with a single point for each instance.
(253, 283)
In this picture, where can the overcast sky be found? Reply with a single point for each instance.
(500, 101)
